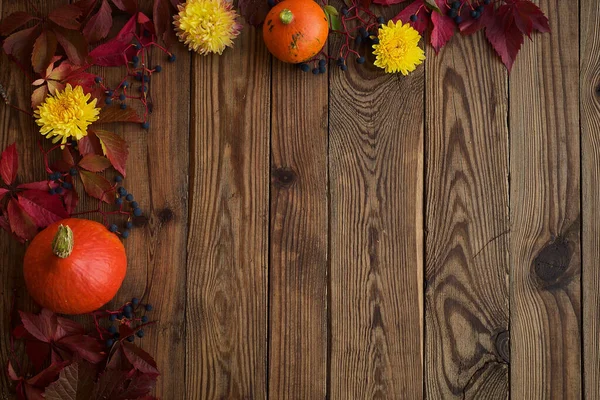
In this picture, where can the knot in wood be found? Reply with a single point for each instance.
(165, 215)
(552, 261)
(283, 177)
(502, 344)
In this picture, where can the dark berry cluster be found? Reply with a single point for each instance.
(122, 197)
(129, 316)
(456, 9)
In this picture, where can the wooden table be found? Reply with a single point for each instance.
(361, 235)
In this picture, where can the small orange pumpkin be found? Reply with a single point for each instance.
(74, 266)
(295, 30)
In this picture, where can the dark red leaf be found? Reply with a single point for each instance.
(94, 163)
(423, 16)
(43, 208)
(21, 223)
(443, 27)
(9, 164)
(139, 385)
(12, 374)
(3, 192)
(37, 352)
(66, 327)
(41, 185)
(116, 114)
(48, 375)
(141, 360)
(74, 44)
(471, 25)
(90, 144)
(86, 6)
(505, 36)
(528, 17)
(365, 3)
(43, 50)
(20, 44)
(66, 16)
(110, 54)
(253, 11)
(13, 22)
(115, 148)
(83, 79)
(42, 326)
(96, 186)
(71, 199)
(99, 24)
(33, 393)
(76, 382)
(163, 18)
(110, 384)
(117, 360)
(87, 347)
(128, 6)
(128, 30)
(67, 156)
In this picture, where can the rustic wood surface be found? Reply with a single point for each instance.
(357, 235)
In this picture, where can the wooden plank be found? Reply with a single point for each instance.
(589, 89)
(226, 309)
(19, 128)
(299, 223)
(376, 191)
(545, 211)
(467, 222)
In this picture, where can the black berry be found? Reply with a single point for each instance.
(452, 13)
(322, 69)
(129, 225)
(456, 5)
(458, 19)
(344, 67)
(134, 204)
(172, 58)
(52, 191)
(475, 14)
(73, 171)
(131, 338)
(360, 60)
(119, 201)
(122, 97)
(125, 235)
(122, 191)
(118, 179)
(146, 125)
(157, 68)
(135, 59)
(381, 20)
(344, 11)
(112, 317)
(59, 190)
(413, 18)
(113, 228)
(480, 8)
(135, 301)
(112, 329)
(138, 76)
(123, 106)
(144, 319)
(137, 212)
(67, 185)
(305, 67)
(129, 197)
(148, 307)
(315, 71)
(140, 333)
(109, 342)
(108, 101)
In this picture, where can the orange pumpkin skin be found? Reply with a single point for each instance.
(83, 281)
(300, 39)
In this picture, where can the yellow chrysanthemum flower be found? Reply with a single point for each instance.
(207, 26)
(66, 114)
(398, 48)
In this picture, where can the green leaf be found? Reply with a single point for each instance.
(431, 4)
(333, 18)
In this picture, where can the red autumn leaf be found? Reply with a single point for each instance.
(443, 27)
(83, 79)
(528, 17)
(3, 192)
(67, 156)
(41, 185)
(110, 384)
(253, 11)
(129, 6)
(90, 144)
(99, 24)
(117, 360)
(365, 3)
(43, 50)
(423, 17)
(75, 382)
(115, 148)
(162, 18)
(71, 199)
(20, 44)
(66, 16)
(14, 21)
(141, 360)
(38, 96)
(37, 352)
(96, 186)
(12, 374)
(94, 163)
(9, 164)
(505, 36)
(42, 326)
(471, 25)
(21, 223)
(74, 44)
(43, 208)
(139, 384)
(116, 114)
(48, 375)
(85, 346)
(110, 54)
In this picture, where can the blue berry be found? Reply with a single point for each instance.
(475, 14)
(172, 58)
(134, 204)
(315, 71)
(73, 171)
(122, 97)
(148, 307)
(358, 40)
(125, 84)
(123, 106)
(140, 333)
(452, 13)
(344, 10)
(381, 20)
(97, 79)
(112, 329)
(119, 316)
(458, 19)
(340, 61)
(344, 67)
(108, 101)
(375, 40)
(486, 2)
(110, 93)
(127, 309)
(135, 301)
(138, 76)
(67, 185)
(59, 190)
(157, 68)
(322, 69)
(145, 125)
(144, 319)
(118, 179)
(129, 225)
(125, 235)
(52, 191)
(109, 342)
(456, 5)
(143, 88)
(131, 338)
(137, 212)
(305, 67)
(112, 317)
(360, 60)
(480, 8)
(413, 18)
(322, 63)
(146, 78)
(135, 59)
(129, 197)
(122, 191)
(128, 315)
(136, 46)
(113, 228)
(119, 201)
(117, 335)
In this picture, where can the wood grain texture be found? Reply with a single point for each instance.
(376, 273)
(589, 89)
(299, 216)
(226, 310)
(545, 211)
(466, 255)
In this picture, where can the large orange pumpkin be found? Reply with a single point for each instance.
(295, 30)
(74, 266)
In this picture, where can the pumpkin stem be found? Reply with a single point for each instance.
(286, 16)
(62, 245)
